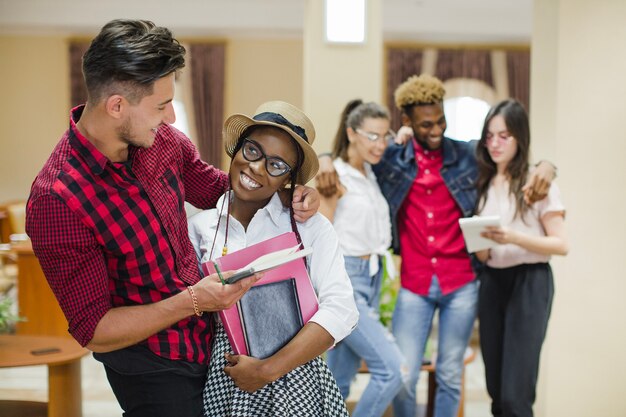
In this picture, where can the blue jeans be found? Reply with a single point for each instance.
(412, 322)
(369, 341)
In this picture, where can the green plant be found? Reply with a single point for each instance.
(388, 295)
(7, 317)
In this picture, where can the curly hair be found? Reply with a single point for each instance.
(421, 90)
(127, 57)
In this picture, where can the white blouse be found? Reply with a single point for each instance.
(362, 214)
(501, 203)
(337, 312)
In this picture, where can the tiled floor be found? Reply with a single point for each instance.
(29, 383)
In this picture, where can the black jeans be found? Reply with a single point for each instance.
(513, 309)
(147, 385)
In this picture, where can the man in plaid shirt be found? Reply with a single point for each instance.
(107, 221)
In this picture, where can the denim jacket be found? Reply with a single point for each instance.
(397, 171)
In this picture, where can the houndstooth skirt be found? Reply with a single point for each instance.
(308, 391)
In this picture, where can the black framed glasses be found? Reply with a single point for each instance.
(253, 152)
(373, 137)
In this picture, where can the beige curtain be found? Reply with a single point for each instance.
(207, 83)
(464, 63)
(518, 69)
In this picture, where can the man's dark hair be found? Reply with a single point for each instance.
(127, 57)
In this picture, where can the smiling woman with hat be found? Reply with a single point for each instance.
(271, 151)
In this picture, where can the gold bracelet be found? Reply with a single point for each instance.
(194, 300)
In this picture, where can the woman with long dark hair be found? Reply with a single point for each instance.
(516, 284)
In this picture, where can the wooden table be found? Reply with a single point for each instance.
(35, 300)
(64, 380)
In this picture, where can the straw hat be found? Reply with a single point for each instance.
(283, 116)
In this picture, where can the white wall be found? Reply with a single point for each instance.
(336, 73)
(34, 80)
(578, 108)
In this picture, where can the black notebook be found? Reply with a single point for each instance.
(270, 317)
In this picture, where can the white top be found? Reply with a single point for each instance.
(362, 213)
(337, 312)
(500, 202)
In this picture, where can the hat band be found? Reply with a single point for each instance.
(278, 119)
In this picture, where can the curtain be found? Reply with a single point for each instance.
(207, 81)
(518, 69)
(401, 64)
(459, 63)
(464, 63)
(78, 91)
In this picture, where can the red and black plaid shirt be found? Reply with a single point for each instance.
(109, 234)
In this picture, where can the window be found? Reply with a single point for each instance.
(465, 117)
(345, 21)
(181, 123)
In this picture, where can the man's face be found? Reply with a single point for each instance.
(144, 118)
(428, 123)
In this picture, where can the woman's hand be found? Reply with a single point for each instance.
(247, 373)
(501, 235)
(404, 135)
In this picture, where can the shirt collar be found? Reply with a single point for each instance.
(274, 208)
(419, 150)
(92, 156)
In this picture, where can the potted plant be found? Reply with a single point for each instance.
(8, 316)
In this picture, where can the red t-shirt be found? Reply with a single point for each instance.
(431, 242)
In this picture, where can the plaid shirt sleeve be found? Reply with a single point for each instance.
(204, 184)
(73, 263)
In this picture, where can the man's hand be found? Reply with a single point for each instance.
(305, 203)
(538, 184)
(214, 296)
(326, 180)
(246, 372)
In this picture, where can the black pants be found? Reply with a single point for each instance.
(513, 310)
(146, 385)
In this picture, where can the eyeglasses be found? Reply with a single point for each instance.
(373, 137)
(253, 152)
(499, 138)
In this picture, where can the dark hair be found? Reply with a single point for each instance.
(127, 57)
(352, 116)
(516, 120)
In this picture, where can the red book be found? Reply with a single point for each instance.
(267, 315)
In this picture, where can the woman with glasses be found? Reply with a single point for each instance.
(271, 151)
(517, 287)
(360, 215)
